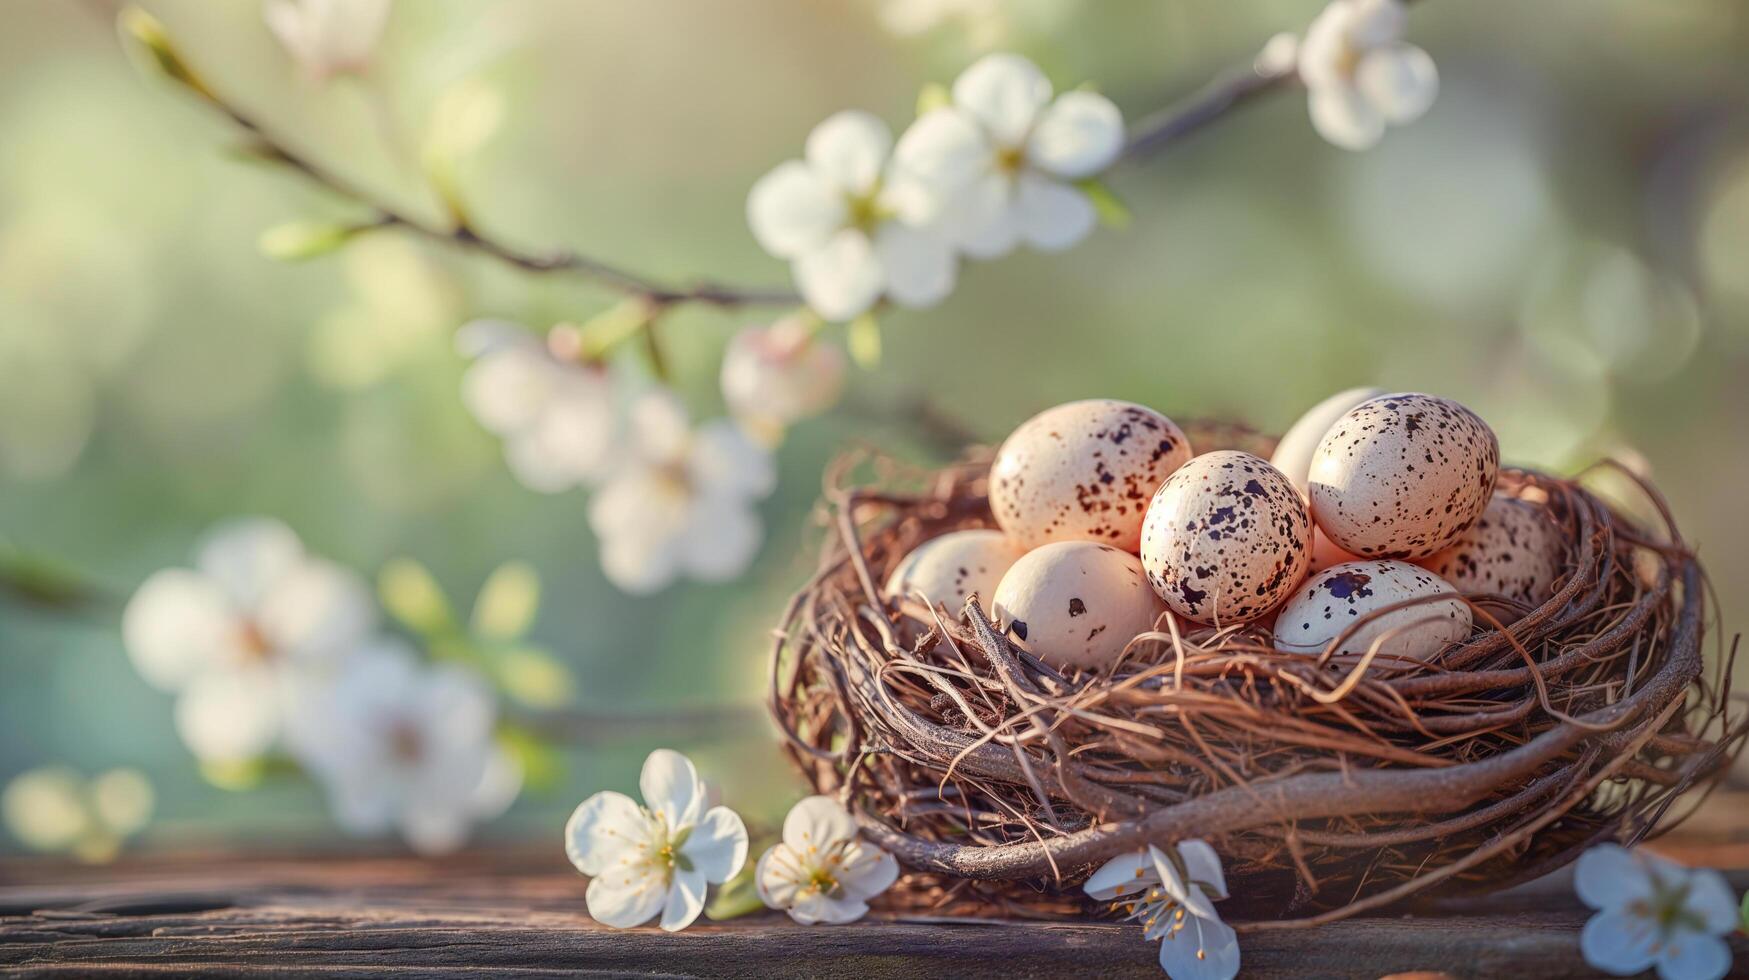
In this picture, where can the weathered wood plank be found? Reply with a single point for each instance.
(517, 914)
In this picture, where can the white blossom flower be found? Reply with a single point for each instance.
(560, 418)
(1652, 912)
(683, 502)
(1003, 158)
(986, 22)
(1175, 904)
(1361, 74)
(240, 637)
(328, 37)
(655, 858)
(776, 376)
(850, 224)
(400, 745)
(822, 872)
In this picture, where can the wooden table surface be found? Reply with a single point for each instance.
(521, 913)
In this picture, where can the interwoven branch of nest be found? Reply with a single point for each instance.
(1331, 784)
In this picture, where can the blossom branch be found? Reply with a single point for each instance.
(1233, 89)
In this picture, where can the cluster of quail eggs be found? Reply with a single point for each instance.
(1107, 518)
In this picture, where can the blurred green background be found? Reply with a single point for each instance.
(1562, 243)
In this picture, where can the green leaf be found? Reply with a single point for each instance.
(535, 678)
(1112, 211)
(863, 337)
(604, 331)
(41, 581)
(505, 607)
(1744, 910)
(737, 897)
(295, 241)
(542, 766)
(154, 41)
(411, 595)
(933, 96)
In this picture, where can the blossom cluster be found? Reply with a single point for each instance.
(656, 858)
(863, 217)
(271, 650)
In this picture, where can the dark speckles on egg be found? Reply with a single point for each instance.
(1350, 595)
(1226, 538)
(1402, 476)
(1084, 471)
(1516, 550)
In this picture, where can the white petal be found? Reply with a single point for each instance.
(432, 832)
(455, 706)
(1694, 956)
(940, 153)
(1617, 942)
(777, 876)
(1400, 80)
(721, 541)
(1053, 216)
(717, 846)
(318, 611)
(660, 427)
(507, 389)
(816, 823)
(1372, 23)
(535, 467)
(623, 899)
(1122, 875)
(1202, 865)
(177, 624)
(779, 375)
(1213, 939)
(1609, 876)
(1187, 895)
(794, 210)
(600, 829)
(230, 715)
(685, 900)
(1325, 52)
(639, 566)
(850, 149)
(1005, 93)
(1710, 897)
(671, 787)
(817, 909)
(867, 871)
(499, 784)
(919, 266)
(1080, 135)
(1344, 117)
(984, 218)
(840, 279)
(726, 462)
(246, 557)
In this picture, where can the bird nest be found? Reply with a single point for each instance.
(1328, 784)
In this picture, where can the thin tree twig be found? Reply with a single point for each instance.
(1235, 88)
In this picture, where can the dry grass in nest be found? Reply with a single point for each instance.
(1329, 785)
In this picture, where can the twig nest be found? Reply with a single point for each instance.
(1515, 550)
(1402, 476)
(948, 570)
(1293, 454)
(1084, 471)
(1226, 538)
(1353, 595)
(1076, 603)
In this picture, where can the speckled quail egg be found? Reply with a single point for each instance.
(1226, 538)
(1516, 550)
(1084, 471)
(1339, 596)
(1293, 453)
(1401, 476)
(948, 569)
(1076, 603)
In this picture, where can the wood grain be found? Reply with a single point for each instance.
(520, 913)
